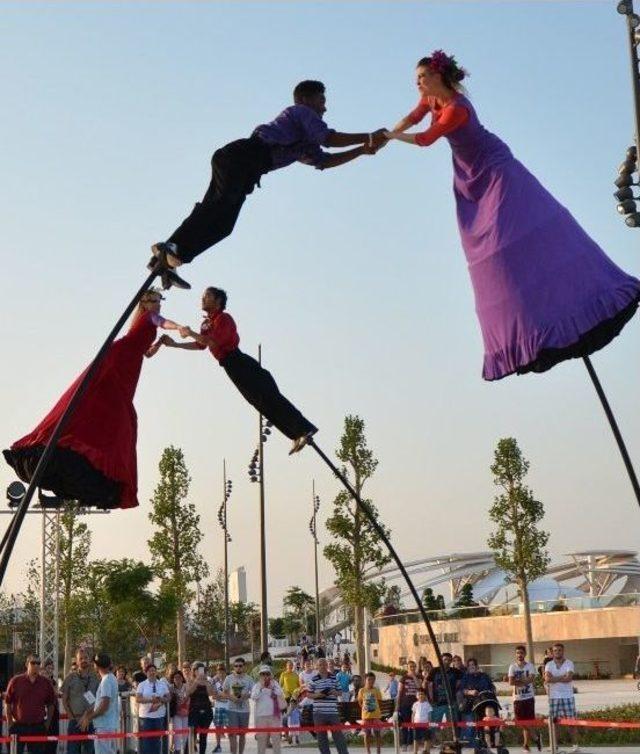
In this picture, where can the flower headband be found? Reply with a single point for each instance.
(440, 62)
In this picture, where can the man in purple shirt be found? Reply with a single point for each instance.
(296, 135)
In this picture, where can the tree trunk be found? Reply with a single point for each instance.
(524, 595)
(180, 635)
(359, 626)
(68, 649)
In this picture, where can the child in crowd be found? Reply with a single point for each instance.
(392, 687)
(492, 733)
(421, 714)
(293, 717)
(369, 698)
(344, 680)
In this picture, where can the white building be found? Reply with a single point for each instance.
(238, 585)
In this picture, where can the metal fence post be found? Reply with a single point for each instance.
(192, 741)
(13, 746)
(553, 744)
(396, 732)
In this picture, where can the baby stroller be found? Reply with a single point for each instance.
(489, 737)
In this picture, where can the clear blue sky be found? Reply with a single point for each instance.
(353, 280)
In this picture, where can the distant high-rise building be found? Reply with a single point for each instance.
(238, 585)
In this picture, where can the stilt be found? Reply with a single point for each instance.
(381, 533)
(614, 427)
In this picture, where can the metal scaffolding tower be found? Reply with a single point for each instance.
(50, 587)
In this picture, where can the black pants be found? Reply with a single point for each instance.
(235, 171)
(260, 389)
(200, 719)
(24, 729)
(406, 734)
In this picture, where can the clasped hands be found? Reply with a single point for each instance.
(378, 139)
(166, 340)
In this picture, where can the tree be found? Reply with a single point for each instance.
(126, 615)
(276, 628)
(356, 550)
(429, 599)
(301, 607)
(174, 546)
(518, 545)
(75, 544)
(466, 597)
(206, 625)
(393, 598)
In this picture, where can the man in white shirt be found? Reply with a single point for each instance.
(522, 675)
(152, 697)
(269, 705)
(305, 679)
(558, 675)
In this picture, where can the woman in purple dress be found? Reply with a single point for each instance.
(544, 290)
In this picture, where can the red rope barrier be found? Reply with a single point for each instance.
(348, 728)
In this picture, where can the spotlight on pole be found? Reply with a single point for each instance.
(626, 200)
(626, 207)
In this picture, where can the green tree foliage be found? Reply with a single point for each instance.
(356, 550)
(205, 628)
(276, 628)
(518, 544)
(174, 545)
(392, 597)
(126, 615)
(466, 597)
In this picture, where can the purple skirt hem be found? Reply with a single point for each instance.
(597, 328)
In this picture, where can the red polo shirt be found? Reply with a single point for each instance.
(221, 333)
(29, 699)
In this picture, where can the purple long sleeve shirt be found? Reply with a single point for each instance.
(296, 135)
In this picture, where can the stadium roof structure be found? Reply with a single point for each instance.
(604, 574)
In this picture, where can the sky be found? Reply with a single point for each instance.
(353, 280)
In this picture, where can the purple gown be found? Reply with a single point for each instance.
(544, 290)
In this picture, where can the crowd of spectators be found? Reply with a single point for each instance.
(308, 691)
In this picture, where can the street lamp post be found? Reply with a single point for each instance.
(227, 486)
(627, 205)
(256, 474)
(625, 7)
(314, 533)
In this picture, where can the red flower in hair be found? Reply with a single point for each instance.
(439, 61)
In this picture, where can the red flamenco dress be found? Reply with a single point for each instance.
(94, 461)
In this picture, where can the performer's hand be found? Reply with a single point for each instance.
(153, 350)
(389, 135)
(185, 332)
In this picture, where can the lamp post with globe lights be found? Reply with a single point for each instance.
(227, 488)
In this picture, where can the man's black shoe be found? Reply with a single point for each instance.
(171, 280)
(167, 252)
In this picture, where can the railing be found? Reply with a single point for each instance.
(562, 604)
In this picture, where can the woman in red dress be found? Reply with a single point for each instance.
(94, 461)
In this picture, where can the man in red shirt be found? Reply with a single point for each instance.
(219, 334)
(29, 702)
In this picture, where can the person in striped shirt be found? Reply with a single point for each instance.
(324, 691)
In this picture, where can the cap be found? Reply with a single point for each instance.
(265, 669)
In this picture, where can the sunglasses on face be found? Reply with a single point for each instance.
(34, 662)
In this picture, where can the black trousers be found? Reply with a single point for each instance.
(26, 729)
(260, 389)
(200, 719)
(235, 171)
